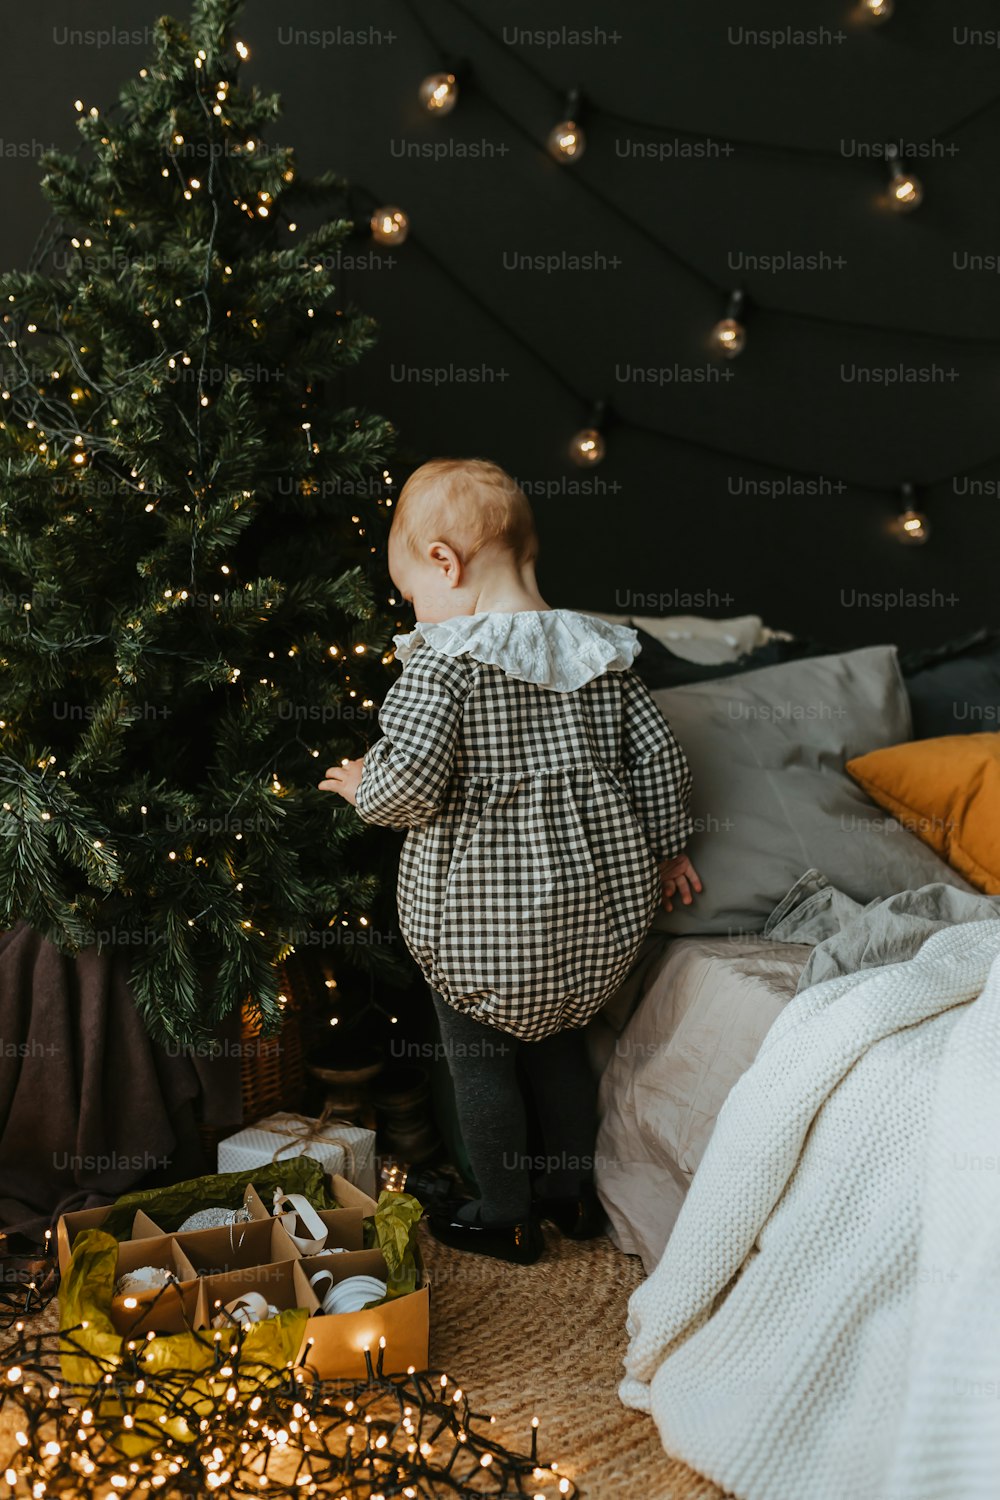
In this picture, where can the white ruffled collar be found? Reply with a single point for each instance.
(555, 648)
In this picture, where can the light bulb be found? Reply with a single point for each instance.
(566, 142)
(389, 225)
(912, 527)
(877, 11)
(439, 93)
(587, 447)
(905, 191)
(729, 335)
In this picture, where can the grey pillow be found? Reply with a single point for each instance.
(771, 798)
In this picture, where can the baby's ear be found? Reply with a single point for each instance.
(444, 557)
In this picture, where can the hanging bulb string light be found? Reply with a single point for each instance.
(566, 141)
(729, 335)
(440, 92)
(588, 447)
(911, 526)
(657, 127)
(643, 230)
(522, 130)
(905, 191)
(681, 440)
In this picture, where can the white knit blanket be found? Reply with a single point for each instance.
(825, 1321)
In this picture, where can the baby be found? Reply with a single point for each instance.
(547, 803)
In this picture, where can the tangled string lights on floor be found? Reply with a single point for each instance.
(29, 1280)
(243, 1429)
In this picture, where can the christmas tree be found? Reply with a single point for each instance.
(188, 633)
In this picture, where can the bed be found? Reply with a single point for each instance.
(706, 1005)
(777, 819)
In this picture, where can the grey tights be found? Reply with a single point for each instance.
(490, 1102)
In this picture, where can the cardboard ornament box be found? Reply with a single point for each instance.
(214, 1266)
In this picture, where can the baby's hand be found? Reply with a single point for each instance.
(678, 876)
(344, 779)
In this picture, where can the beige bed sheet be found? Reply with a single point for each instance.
(706, 1007)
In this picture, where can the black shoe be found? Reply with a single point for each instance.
(434, 1189)
(521, 1244)
(577, 1218)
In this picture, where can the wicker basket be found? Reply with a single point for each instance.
(272, 1068)
(272, 1075)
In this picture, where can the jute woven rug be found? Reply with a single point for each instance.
(548, 1340)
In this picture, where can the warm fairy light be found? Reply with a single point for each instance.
(389, 225)
(566, 142)
(243, 50)
(729, 337)
(438, 93)
(912, 527)
(905, 191)
(877, 11)
(587, 447)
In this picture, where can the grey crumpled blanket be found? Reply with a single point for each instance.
(849, 936)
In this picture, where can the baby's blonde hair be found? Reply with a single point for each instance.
(468, 503)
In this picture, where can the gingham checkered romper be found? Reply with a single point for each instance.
(537, 818)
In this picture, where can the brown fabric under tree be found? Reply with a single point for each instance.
(90, 1107)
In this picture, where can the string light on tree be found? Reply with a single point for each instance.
(729, 335)
(389, 225)
(438, 93)
(877, 11)
(86, 427)
(911, 526)
(587, 447)
(566, 141)
(905, 191)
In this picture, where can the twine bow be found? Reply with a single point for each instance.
(304, 1131)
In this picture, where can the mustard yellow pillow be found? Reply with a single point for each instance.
(947, 792)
